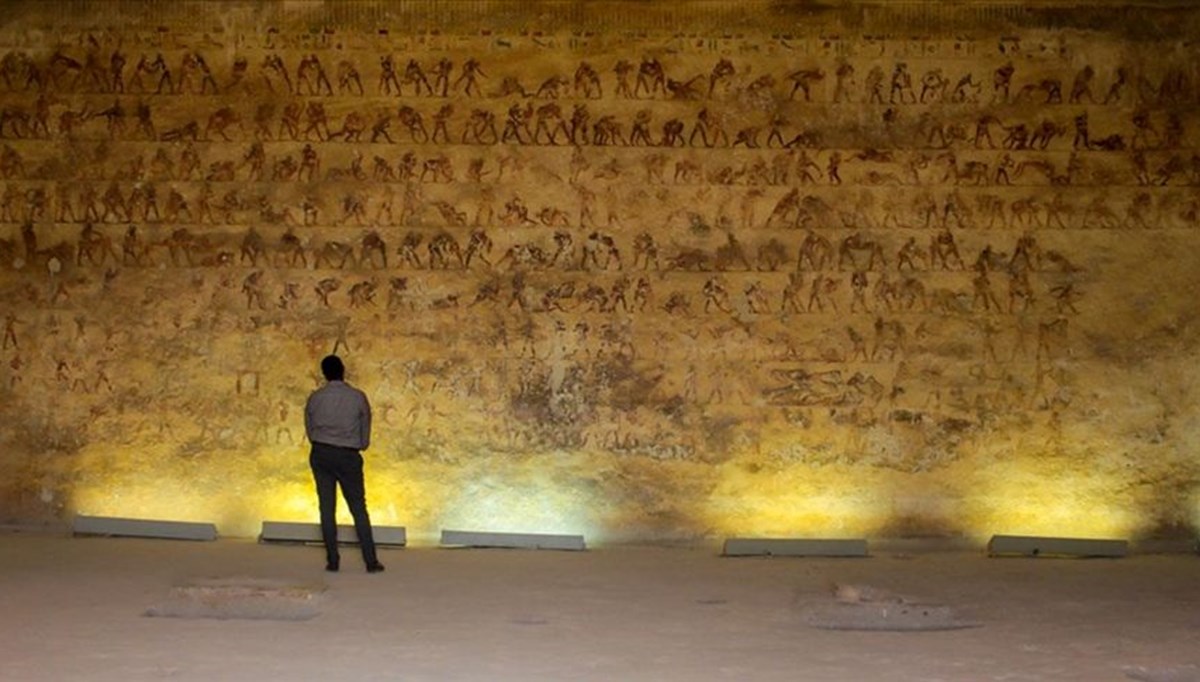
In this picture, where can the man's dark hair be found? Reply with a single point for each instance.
(332, 368)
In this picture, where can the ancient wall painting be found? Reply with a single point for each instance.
(673, 284)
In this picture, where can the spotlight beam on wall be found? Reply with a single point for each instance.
(465, 538)
(1034, 546)
(288, 531)
(111, 526)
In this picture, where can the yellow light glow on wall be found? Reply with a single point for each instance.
(295, 501)
(238, 495)
(501, 504)
(399, 493)
(797, 501)
(747, 496)
(1049, 498)
(522, 496)
(155, 497)
(392, 499)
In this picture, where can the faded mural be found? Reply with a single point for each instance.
(641, 271)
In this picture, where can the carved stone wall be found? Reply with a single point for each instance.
(636, 270)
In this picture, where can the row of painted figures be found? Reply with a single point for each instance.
(866, 293)
(189, 72)
(790, 167)
(507, 281)
(562, 250)
(966, 208)
(552, 124)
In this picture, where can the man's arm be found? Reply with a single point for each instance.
(365, 422)
(308, 419)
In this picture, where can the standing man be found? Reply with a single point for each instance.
(337, 420)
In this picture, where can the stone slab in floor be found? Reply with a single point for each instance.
(241, 598)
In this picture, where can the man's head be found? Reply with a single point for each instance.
(332, 368)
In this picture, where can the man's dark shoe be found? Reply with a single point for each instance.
(331, 566)
(375, 567)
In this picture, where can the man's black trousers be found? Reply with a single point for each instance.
(334, 466)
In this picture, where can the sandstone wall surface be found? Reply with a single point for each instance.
(639, 270)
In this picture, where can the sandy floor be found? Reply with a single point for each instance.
(72, 609)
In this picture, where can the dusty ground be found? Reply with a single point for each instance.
(73, 609)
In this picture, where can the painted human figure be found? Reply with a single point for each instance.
(10, 331)
(472, 71)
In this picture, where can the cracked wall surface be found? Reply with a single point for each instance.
(638, 270)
